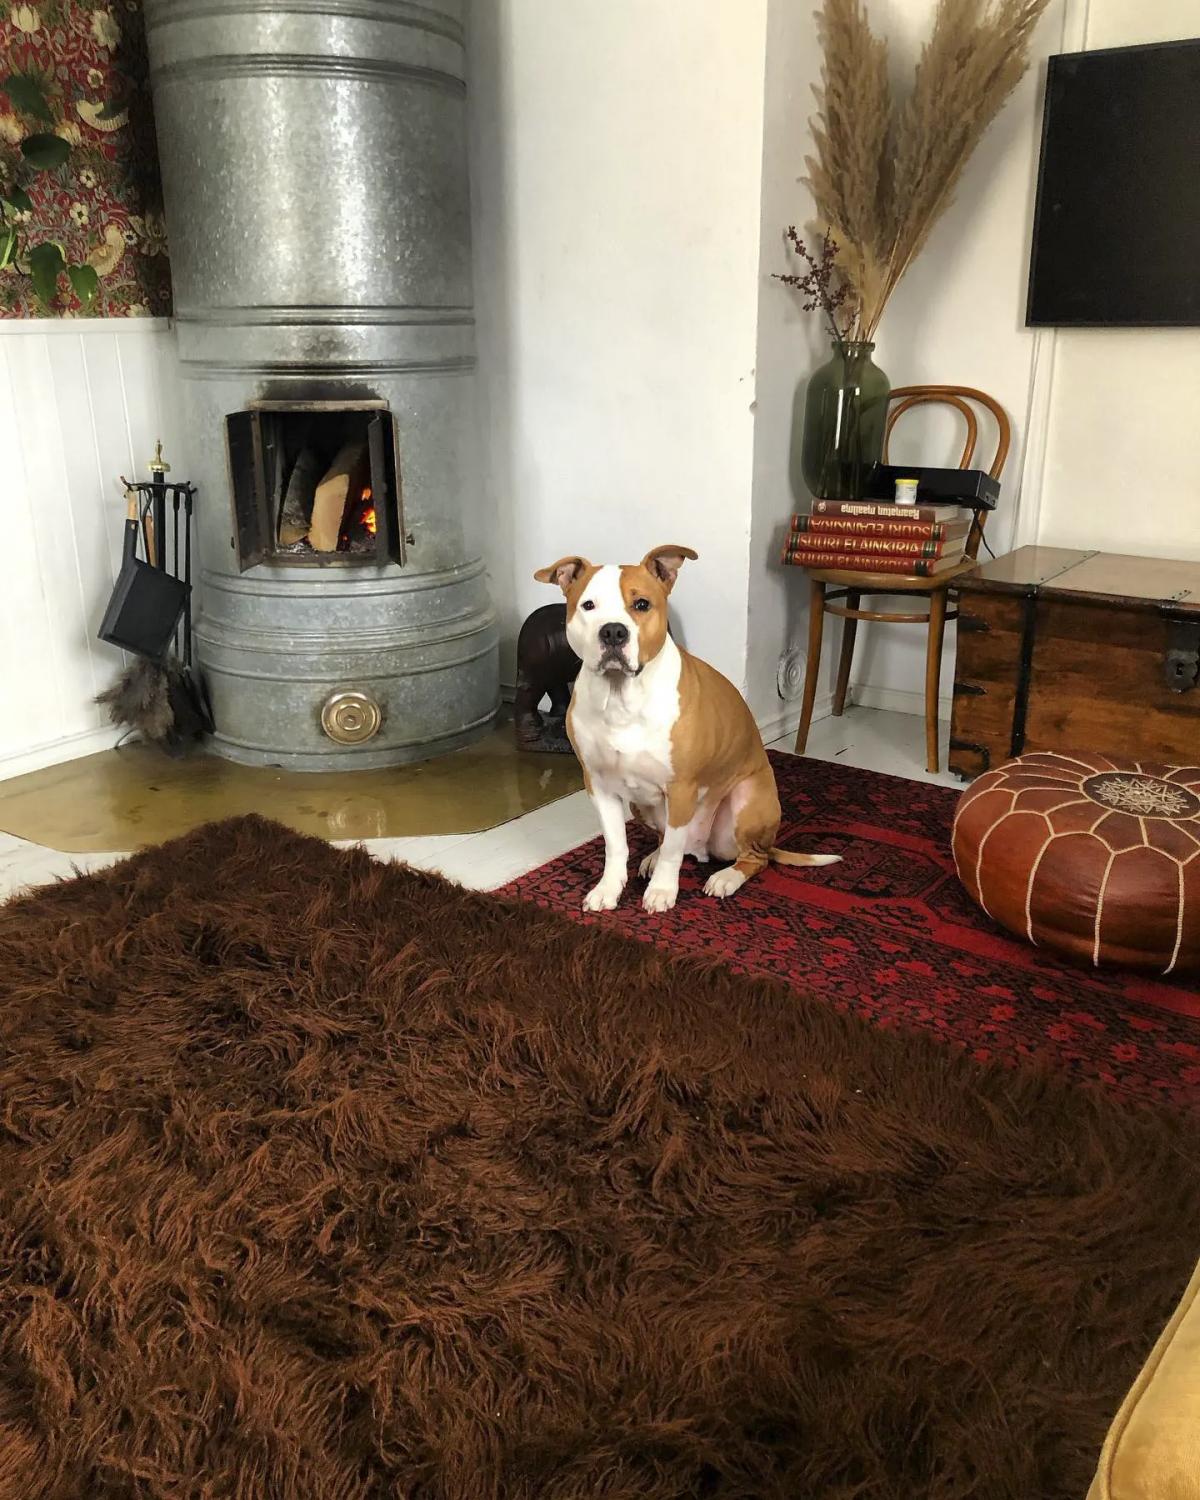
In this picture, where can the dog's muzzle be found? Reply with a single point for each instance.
(614, 639)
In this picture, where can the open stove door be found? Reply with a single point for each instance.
(389, 523)
(253, 533)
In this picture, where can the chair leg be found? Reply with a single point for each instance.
(812, 671)
(849, 631)
(933, 675)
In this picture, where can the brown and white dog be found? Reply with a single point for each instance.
(663, 733)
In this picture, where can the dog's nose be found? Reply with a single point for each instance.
(614, 634)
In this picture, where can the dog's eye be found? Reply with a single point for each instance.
(641, 605)
(588, 604)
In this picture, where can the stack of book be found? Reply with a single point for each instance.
(877, 536)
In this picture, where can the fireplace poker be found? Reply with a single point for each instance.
(159, 469)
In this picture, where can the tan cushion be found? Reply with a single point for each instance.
(1152, 1451)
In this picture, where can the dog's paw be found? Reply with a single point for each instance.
(604, 896)
(724, 882)
(646, 868)
(660, 898)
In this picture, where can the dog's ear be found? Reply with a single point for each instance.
(564, 572)
(665, 563)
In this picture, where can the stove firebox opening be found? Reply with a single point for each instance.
(315, 484)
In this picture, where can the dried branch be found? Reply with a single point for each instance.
(882, 177)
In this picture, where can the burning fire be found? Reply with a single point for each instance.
(368, 515)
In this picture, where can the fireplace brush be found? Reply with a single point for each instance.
(158, 694)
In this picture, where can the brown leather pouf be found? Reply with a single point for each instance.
(1095, 857)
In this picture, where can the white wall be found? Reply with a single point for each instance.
(956, 317)
(790, 344)
(1120, 459)
(959, 317)
(1099, 417)
(639, 370)
(615, 166)
(80, 403)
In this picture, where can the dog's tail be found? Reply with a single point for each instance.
(786, 857)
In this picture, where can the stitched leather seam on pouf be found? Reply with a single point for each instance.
(1095, 857)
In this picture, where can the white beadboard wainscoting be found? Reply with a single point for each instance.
(82, 401)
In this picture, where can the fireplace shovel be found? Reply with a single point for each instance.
(156, 694)
(146, 602)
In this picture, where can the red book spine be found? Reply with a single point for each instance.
(863, 562)
(876, 546)
(854, 526)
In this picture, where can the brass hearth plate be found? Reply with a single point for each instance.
(123, 799)
(351, 718)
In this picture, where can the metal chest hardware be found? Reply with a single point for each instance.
(1024, 673)
(971, 748)
(1181, 668)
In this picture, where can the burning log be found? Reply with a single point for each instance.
(359, 524)
(346, 475)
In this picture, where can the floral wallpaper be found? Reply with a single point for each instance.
(103, 205)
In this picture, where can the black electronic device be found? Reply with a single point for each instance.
(1116, 234)
(968, 487)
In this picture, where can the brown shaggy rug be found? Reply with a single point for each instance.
(321, 1178)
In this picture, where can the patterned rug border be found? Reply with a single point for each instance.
(892, 918)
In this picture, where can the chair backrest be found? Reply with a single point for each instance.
(905, 397)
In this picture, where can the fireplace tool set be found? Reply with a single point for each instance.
(150, 616)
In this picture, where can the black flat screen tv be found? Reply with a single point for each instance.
(1116, 233)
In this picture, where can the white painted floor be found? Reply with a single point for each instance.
(870, 738)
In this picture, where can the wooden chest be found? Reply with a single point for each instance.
(1060, 649)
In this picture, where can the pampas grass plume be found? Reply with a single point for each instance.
(881, 175)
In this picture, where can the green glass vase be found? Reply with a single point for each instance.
(844, 415)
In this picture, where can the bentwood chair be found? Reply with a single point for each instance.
(838, 592)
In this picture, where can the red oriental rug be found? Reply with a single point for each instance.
(890, 935)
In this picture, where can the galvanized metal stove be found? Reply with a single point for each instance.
(315, 174)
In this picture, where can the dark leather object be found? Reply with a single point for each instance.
(546, 667)
(1090, 855)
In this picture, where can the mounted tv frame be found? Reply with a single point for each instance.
(1122, 231)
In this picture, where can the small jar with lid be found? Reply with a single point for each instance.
(906, 492)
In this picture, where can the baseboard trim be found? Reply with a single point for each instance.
(772, 727)
(783, 725)
(54, 752)
(896, 700)
(777, 726)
